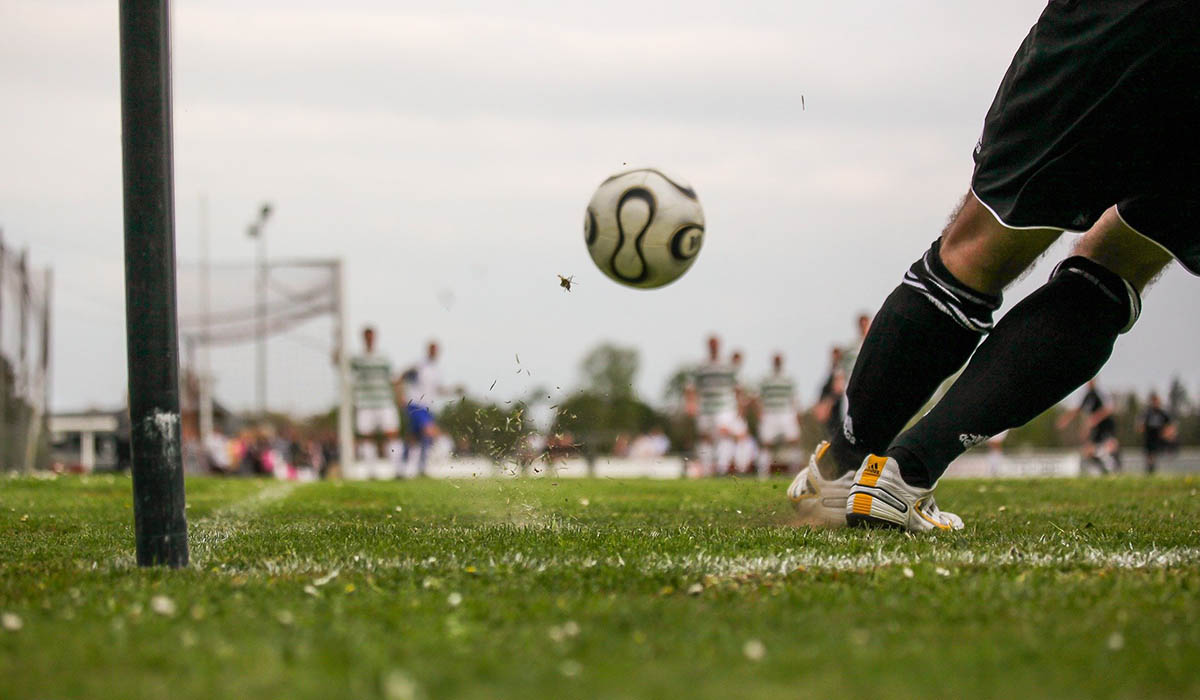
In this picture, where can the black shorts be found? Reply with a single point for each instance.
(1103, 431)
(1100, 107)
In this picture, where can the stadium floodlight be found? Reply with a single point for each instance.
(152, 344)
(257, 231)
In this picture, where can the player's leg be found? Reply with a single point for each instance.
(420, 429)
(1046, 158)
(1091, 456)
(387, 426)
(745, 451)
(764, 459)
(767, 443)
(429, 434)
(395, 449)
(723, 454)
(705, 456)
(785, 458)
(1112, 452)
(725, 442)
(365, 426)
(1043, 349)
(1095, 453)
(928, 327)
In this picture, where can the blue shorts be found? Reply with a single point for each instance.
(419, 417)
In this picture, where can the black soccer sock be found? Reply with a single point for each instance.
(1047, 346)
(923, 333)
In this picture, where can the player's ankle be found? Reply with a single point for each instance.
(842, 458)
(912, 468)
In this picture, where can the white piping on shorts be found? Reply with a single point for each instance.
(1117, 209)
(1007, 225)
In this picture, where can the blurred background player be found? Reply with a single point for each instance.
(1100, 445)
(424, 386)
(778, 425)
(712, 393)
(829, 409)
(1157, 429)
(374, 395)
(862, 324)
(745, 448)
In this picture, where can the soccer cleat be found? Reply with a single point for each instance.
(879, 497)
(820, 501)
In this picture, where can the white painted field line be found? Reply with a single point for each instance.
(700, 564)
(207, 533)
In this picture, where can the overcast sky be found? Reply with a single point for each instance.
(446, 152)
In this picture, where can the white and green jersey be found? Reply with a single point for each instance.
(716, 384)
(849, 357)
(778, 394)
(371, 377)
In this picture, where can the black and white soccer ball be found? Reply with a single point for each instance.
(644, 228)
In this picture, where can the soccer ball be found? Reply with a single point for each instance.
(644, 228)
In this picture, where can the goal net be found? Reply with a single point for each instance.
(258, 340)
(24, 360)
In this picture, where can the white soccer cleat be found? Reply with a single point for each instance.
(820, 501)
(879, 497)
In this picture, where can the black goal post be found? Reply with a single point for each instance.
(150, 321)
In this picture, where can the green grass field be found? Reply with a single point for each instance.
(614, 589)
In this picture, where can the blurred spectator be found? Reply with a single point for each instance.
(621, 446)
(652, 445)
(560, 446)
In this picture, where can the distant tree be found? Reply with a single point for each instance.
(676, 383)
(1178, 401)
(486, 429)
(596, 420)
(537, 395)
(1042, 432)
(608, 405)
(610, 370)
(1129, 410)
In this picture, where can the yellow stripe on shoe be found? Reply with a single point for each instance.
(873, 469)
(861, 504)
(917, 507)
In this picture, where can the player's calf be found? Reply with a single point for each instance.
(1048, 345)
(925, 331)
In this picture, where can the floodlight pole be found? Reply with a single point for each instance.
(152, 344)
(257, 230)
